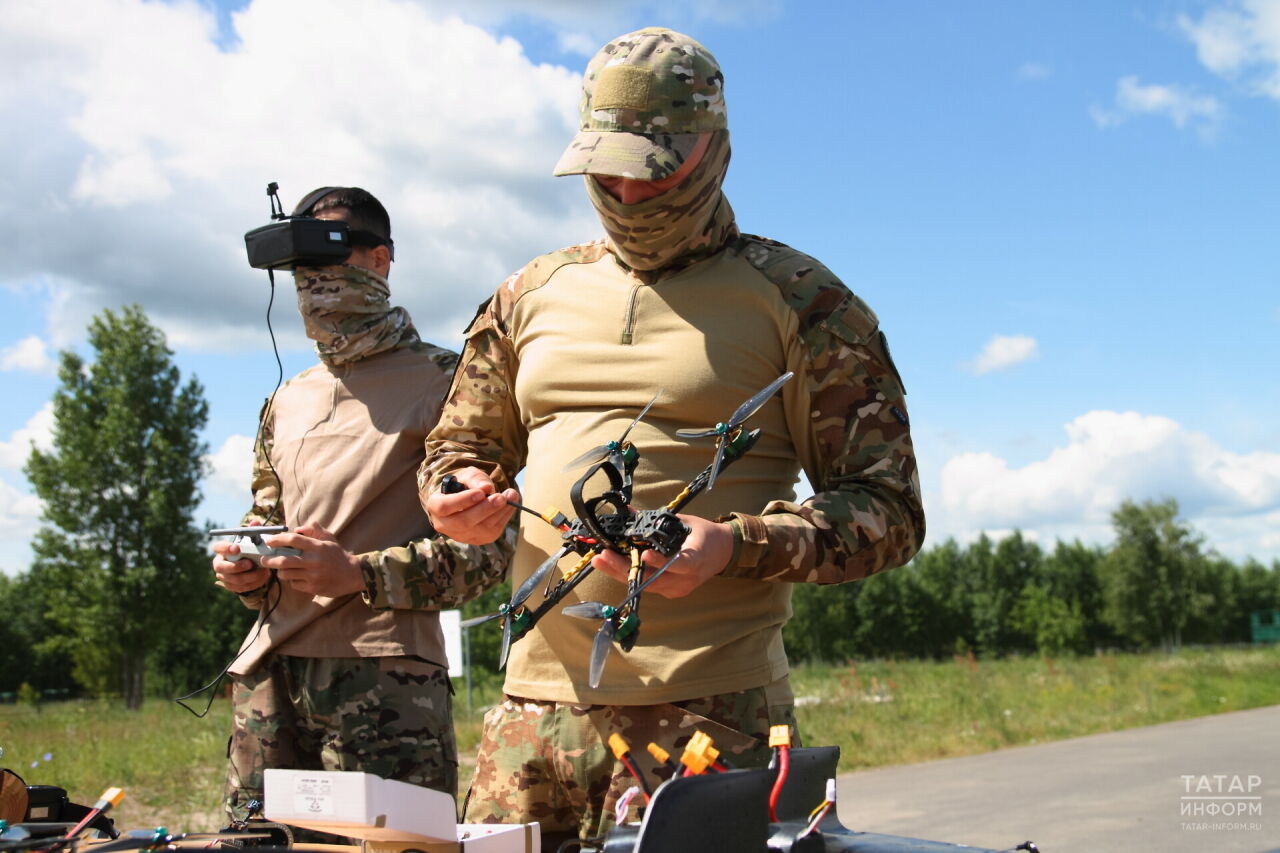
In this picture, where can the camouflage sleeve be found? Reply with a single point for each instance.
(855, 444)
(434, 574)
(267, 507)
(480, 423)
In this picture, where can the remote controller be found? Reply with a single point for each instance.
(252, 548)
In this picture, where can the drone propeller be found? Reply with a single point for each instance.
(600, 651)
(480, 620)
(518, 598)
(604, 637)
(725, 431)
(597, 454)
(589, 610)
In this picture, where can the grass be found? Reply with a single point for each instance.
(904, 712)
(171, 764)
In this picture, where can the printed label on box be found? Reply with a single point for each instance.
(312, 795)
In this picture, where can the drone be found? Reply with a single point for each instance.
(606, 522)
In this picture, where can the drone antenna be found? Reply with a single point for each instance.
(277, 209)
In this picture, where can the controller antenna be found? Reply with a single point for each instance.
(277, 209)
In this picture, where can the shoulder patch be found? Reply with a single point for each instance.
(535, 274)
(819, 299)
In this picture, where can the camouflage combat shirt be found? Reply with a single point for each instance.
(570, 349)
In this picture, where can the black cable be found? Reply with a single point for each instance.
(263, 615)
(273, 582)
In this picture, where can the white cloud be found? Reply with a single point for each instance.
(1033, 71)
(19, 508)
(1240, 40)
(1003, 352)
(38, 430)
(230, 467)
(1181, 106)
(1110, 457)
(29, 354)
(145, 150)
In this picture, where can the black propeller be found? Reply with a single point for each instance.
(726, 430)
(597, 610)
(597, 454)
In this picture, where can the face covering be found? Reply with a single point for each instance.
(348, 313)
(680, 225)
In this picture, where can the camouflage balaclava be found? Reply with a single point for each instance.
(682, 224)
(647, 99)
(347, 311)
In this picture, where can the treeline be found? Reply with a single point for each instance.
(1156, 586)
(119, 601)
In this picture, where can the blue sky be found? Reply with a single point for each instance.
(1064, 214)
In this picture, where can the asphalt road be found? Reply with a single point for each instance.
(1122, 791)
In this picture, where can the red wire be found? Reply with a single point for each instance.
(644, 788)
(784, 767)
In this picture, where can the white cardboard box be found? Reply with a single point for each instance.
(359, 805)
(473, 838)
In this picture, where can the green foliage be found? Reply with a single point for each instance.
(1154, 587)
(1152, 574)
(121, 562)
(1055, 625)
(188, 659)
(486, 640)
(28, 695)
(23, 603)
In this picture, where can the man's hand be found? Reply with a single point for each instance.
(476, 516)
(705, 553)
(239, 576)
(324, 568)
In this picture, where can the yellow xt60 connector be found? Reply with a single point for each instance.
(779, 736)
(699, 754)
(618, 745)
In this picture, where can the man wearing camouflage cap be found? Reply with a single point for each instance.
(345, 669)
(564, 356)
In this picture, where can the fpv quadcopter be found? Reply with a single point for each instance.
(607, 523)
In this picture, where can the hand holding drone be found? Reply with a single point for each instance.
(606, 522)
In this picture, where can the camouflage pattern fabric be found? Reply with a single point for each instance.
(434, 574)
(347, 311)
(551, 762)
(676, 228)
(645, 98)
(866, 514)
(387, 716)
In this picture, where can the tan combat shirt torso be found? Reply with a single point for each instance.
(346, 442)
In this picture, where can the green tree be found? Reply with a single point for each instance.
(124, 563)
(23, 601)
(1071, 573)
(823, 619)
(1150, 574)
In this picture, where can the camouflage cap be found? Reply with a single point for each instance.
(646, 97)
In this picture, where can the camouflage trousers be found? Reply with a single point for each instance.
(390, 716)
(550, 761)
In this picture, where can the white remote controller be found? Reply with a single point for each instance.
(252, 548)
